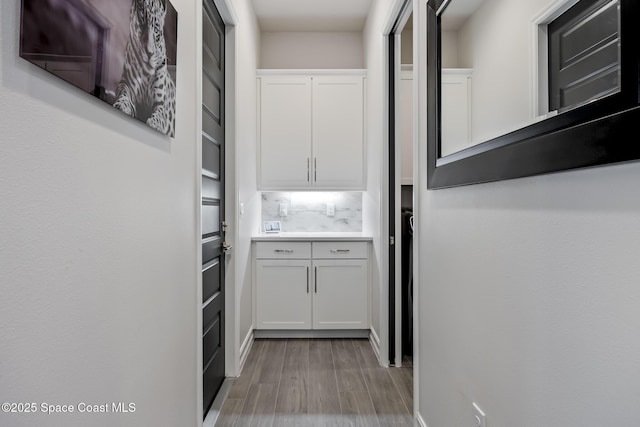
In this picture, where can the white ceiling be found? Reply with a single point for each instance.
(311, 15)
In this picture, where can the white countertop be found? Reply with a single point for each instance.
(309, 236)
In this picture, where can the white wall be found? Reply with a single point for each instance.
(312, 50)
(528, 298)
(98, 250)
(247, 39)
(449, 50)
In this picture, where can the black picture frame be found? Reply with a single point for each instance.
(600, 133)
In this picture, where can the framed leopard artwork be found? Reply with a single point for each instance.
(121, 51)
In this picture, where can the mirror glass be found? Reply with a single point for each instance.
(506, 64)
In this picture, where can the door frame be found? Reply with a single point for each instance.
(418, 7)
(232, 355)
(393, 159)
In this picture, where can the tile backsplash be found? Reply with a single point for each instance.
(307, 211)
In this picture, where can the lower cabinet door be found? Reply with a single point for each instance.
(340, 294)
(283, 294)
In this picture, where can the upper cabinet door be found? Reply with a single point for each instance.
(406, 127)
(456, 109)
(285, 133)
(338, 132)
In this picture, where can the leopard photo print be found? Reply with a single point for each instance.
(120, 51)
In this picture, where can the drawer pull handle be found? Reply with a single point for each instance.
(307, 279)
(283, 251)
(340, 251)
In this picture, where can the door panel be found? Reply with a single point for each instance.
(211, 157)
(211, 280)
(210, 188)
(211, 341)
(211, 97)
(213, 312)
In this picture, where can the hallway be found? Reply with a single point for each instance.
(300, 382)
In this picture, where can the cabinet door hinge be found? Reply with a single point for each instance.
(392, 240)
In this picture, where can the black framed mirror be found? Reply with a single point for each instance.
(532, 87)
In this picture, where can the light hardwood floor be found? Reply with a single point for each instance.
(318, 382)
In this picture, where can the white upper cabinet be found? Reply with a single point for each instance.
(456, 109)
(285, 132)
(405, 122)
(338, 132)
(311, 132)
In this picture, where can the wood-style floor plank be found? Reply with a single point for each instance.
(294, 380)
(269, 365)
(292, 420)
(358, 410)
(259, 406)
(323, 390)
(403, 378)
(365, 356)
(230, 412)
(385, 396)
(348, 371)
(241, 385)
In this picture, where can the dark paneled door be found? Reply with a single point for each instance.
(213, 247)
(584, 53)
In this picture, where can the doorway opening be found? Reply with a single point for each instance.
(401, 97)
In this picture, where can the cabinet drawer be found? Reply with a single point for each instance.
(340, 250)
(283, 250)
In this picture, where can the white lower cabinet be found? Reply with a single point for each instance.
(340, 294)
(323, 288)
(284, 294)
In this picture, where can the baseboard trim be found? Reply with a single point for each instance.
(245, 349)
(374, 339)
(216, 406)
(314, 333)
(420, 420)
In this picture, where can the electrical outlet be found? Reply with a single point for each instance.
(283, 209)
(331, 209)
(478, 416)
